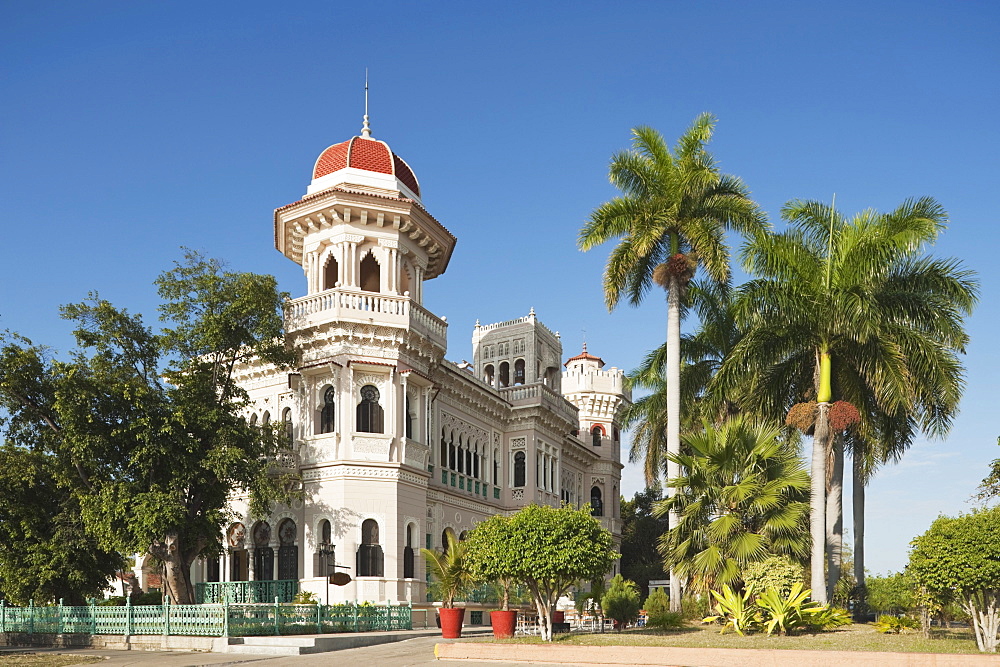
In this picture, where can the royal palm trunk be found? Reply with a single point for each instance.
(673, 411)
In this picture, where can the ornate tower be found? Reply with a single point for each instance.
(600, 396)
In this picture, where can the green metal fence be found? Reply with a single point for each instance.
(212, 620)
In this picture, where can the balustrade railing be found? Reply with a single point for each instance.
(212, 620)
(362, 306)
(240, 592)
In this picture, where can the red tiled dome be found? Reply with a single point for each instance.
(366, 154)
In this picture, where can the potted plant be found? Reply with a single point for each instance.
(452, 578)
(490, 559)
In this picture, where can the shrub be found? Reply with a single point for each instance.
(894, 625)
(658, 614)
(695, 607)
(621, 602)
(777, 572)
(735, 610)
(305, 597)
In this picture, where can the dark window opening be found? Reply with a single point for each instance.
(519, 469)
(286, 419)
(370, 279)
(505, 374)
(370, 558)
(326, 418)
(369, 413)
(596, 503)
(409, 420)
(331, 274)
(519, 371)
(596, 434)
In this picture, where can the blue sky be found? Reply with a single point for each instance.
(130, 129)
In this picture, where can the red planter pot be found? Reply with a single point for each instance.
(451, 622)
(504, 623)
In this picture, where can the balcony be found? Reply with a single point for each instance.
(539, 393)
(364, 307)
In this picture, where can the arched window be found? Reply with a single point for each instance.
(447, 537)
(488, 374)
(496, 467)
(369, 553)
(263, 554)
(596, 433)
(286, 420)
(329, 411)
(266, 419)
(331, 273)
(617, 434)
(475, 465)
(288, 553)
(504, 374)
(408, 553)
(461, 456)
(369, 412)
(596, 503)
(444, 451)
(253, 419)
(451, 456)
(409, 419)
(464, 534)
(370, 279)
(519, 469)
(519, 371)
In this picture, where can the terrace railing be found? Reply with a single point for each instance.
(212, 620)
(246, 592)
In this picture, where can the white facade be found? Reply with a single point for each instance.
(397, 446)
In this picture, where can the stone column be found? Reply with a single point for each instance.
(251, 564)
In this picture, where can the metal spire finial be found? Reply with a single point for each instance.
(366, 131)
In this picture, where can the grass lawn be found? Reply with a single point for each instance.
(848, 638)
(28, 659)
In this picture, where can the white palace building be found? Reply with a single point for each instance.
(397, 447)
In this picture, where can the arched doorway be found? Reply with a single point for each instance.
(288, 553)
(263, 554)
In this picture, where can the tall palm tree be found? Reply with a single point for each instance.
(671, 217)
(744, 497)
(702, 353)
(853, 309)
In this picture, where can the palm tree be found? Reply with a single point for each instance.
(671, 218)
(743, 497)
(452, 576)
(860, 293)
(702, 354)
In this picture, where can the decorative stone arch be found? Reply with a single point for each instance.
(329, 270)
(448, 533)
(370, 269)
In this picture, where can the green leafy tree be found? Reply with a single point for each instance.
(851, 310)
(743, 499)
(621, 602)
(47, 555)
(550, 549)
(146, 430)
(487, 556)
(671, 218)
(451, 571)
(961, 556)
(891, 593)
(641, 560)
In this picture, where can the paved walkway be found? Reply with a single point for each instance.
(418, 652)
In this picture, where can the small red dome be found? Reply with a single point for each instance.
(366, 154)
